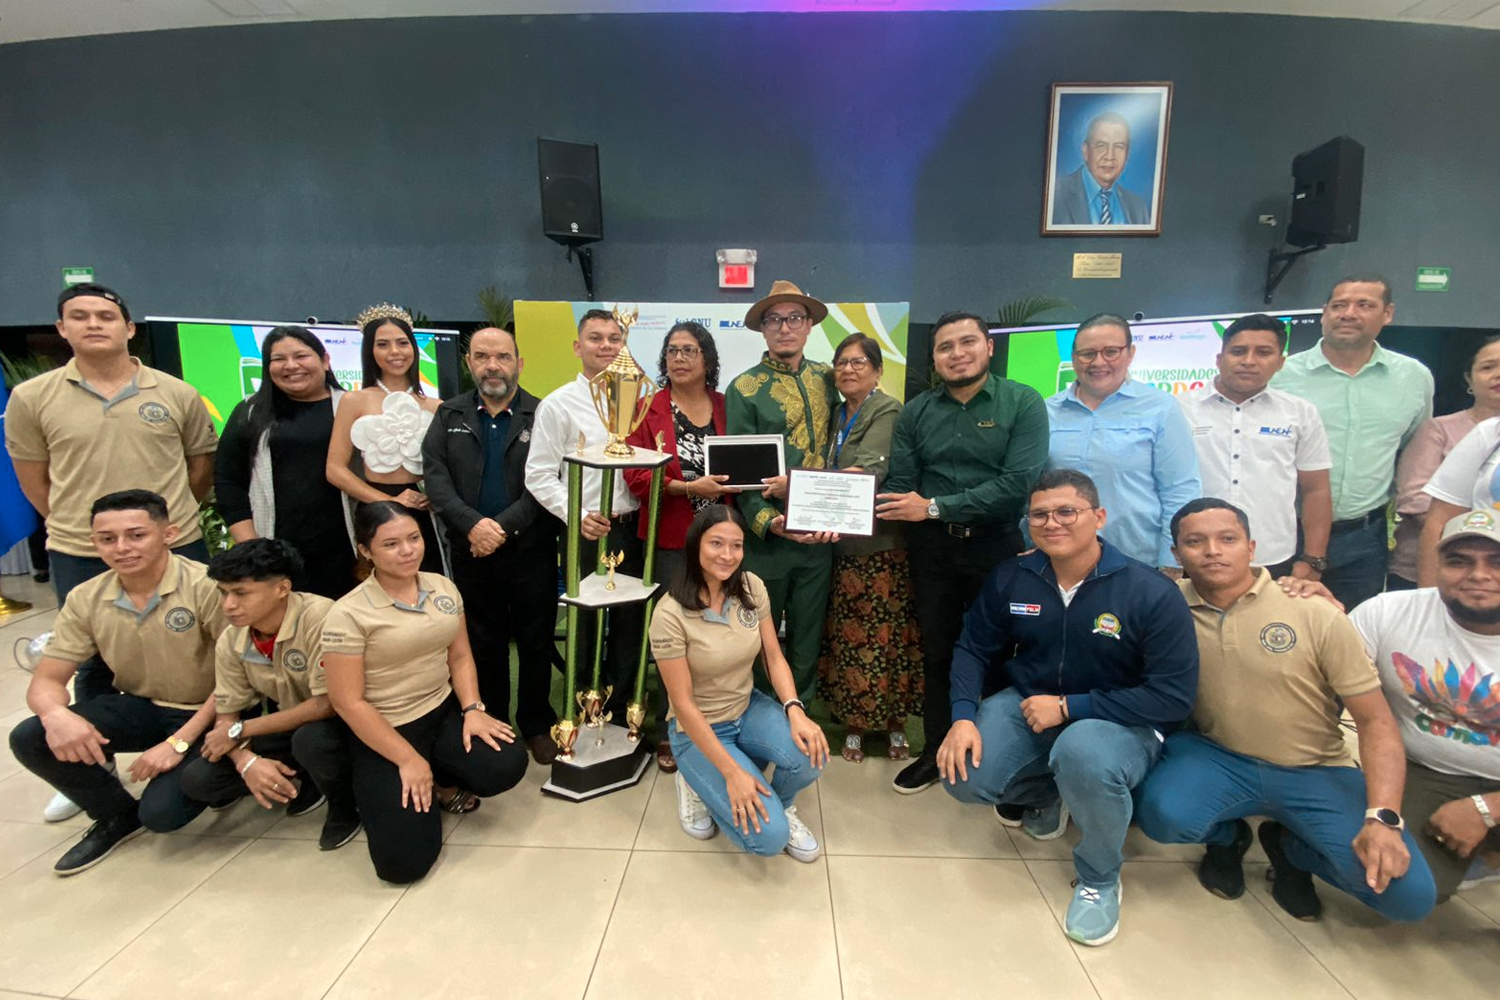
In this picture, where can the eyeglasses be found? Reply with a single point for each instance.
(1110, 354)
(858, 364)
(687, 352)
(796, 322)
(1062, 515)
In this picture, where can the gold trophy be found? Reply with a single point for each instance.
(591, 705)
(635, 717)
(564, 733)
(622, 393)
(612, 559)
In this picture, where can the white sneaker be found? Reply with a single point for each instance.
(692, 813)
(63, 808)
(800, 842)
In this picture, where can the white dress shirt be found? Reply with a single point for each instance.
(1250, 453)
(560, 417)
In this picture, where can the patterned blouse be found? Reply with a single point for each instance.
(690, 438)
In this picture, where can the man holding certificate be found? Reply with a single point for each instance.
(789, 395)
(963, 459)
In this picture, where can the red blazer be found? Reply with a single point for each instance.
(676, 511)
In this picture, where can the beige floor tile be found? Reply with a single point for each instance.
(23, 842)
(687, 924)
(1453, 952)
(1485, 899)
(8, 995)
(865, 816)
(8, 763)
(969, 920)
(23, 796)
(231, 923)
(517, 922)
(660, 830)
(524, 817)
(1174, 932)
(59, 931)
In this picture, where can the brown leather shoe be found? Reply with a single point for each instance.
(543, 750)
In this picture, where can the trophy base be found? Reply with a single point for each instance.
(598, 770)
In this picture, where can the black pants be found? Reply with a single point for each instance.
(432, 556)
(130, 724)
(404, 844)
(627, 623)
(318, 751)
(511, 596)
(328, 565)
(947, 574)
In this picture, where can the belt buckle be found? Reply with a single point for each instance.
(959, 530)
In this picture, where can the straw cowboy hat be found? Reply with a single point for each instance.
(784, 291)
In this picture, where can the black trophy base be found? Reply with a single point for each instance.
(597, 770)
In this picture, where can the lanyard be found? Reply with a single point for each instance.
(838, 446)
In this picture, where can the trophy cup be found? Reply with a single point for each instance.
(635, 718)
(612, 559)
(564, 733)
(622, 393)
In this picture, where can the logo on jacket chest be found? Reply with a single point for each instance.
(1029, 610)
(1107, 624)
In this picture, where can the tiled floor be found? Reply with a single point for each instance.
(916, 897)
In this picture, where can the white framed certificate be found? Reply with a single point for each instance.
(745, 458)
(831, 500)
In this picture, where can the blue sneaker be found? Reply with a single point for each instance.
(1094, 915)
(1046, 822)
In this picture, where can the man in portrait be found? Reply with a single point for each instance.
(1092, 195)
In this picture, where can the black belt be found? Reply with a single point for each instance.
(970, 530)
(1363, 521)
(627, 517)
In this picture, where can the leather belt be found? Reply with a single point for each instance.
(1363, 521)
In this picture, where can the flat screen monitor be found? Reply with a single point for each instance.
(1176, 354)
(221, 357)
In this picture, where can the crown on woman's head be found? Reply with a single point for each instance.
(382, 312)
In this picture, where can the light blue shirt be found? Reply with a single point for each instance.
(1138, 450)
(1092, 189)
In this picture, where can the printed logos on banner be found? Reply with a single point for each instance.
(1107, 624)
(1029, 610)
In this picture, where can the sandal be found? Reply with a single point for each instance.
(854, 750)
(664, 759)
(898, 750)
(460, 802)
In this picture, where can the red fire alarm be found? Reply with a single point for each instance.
(736, 268)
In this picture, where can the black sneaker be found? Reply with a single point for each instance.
(1009, 815)
(1222, 871)
(919, 774)
(309, 797)
(338, 829)
(99, 843)
(1291, 887)
(223, 804)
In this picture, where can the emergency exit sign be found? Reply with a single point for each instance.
(1432, 279)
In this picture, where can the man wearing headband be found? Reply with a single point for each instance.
(104, 422)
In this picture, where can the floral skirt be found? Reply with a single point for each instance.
(870, 670)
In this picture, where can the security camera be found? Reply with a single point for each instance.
(1138, 317)
(312, 321)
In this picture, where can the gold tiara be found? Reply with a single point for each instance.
(382, 312)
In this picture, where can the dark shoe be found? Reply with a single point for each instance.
(339, 828)
(1010, 815)
(223, 804)
(309, 797)
(919, 774)
(42, 576)
(543, 750)
(99, 843)
(1222, 871)
(1291, 887)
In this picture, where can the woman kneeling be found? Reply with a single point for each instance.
(397, 659)
(705, 635)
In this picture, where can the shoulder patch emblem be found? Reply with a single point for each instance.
(1107, 624)
(749, 383)
(1278, 637)
(180, 619)
(154, 413)
(445, 604)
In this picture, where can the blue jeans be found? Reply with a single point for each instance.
(1091, 763)
(1197, 791)
(94, 677)
(759, 737)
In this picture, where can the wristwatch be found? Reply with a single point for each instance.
(236, 729)
(1318, 564)
(1386, 817)
(932, 510)
(478, 706)
(180, 745)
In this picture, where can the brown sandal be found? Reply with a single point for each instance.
(664, 758)
(460, 802)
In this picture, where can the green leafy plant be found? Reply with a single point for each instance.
(215, 531)
(498, 309)
(1021, 312)
(18, 370)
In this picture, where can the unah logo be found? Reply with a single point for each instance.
(180, 619)
(445, 604)
(1278, 637)
(154, 413)
(295, 660)
(747, 616)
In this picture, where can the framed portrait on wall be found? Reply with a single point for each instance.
(1106, 159)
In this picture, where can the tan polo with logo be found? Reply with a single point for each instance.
(405, 647)
(292, 674)
(720, 649)
(140, 439)
(1270, 670)
(165, 652)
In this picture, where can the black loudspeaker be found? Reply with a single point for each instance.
(1325, 199)
(572, 213)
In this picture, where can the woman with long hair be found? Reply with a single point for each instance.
(269, 469)
(400, 672)
(706, 635)
(385, 422)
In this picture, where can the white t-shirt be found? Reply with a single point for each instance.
(1440, 679)
(1470, 475)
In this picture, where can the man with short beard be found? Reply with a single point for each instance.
(503, 549)
(1438, 653)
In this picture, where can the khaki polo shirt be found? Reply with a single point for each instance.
(720, 649)
(140, 439)
(405, 647)
(1270, 670)
(292, 674)
(166, 652)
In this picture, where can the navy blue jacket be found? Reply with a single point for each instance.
(1124, 649)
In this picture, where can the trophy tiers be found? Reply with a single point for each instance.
(593, 457)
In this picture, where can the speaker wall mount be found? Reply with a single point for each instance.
(1325, 204)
